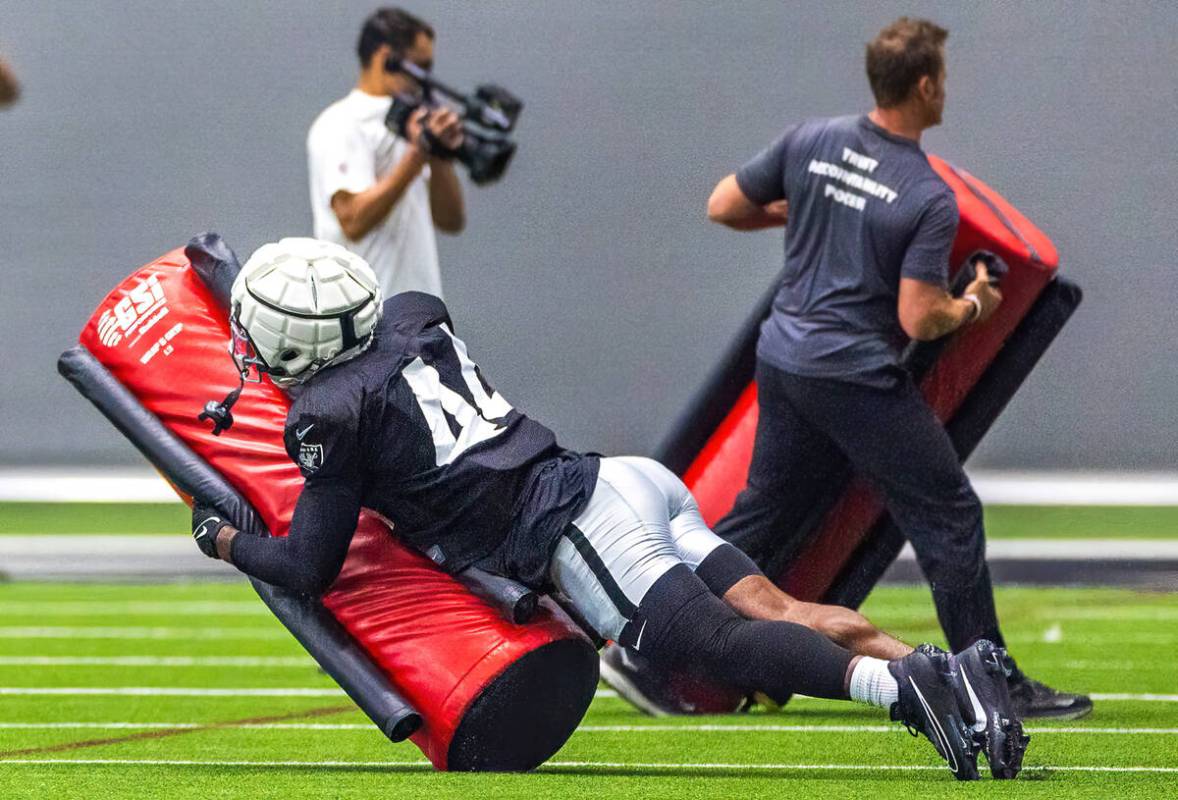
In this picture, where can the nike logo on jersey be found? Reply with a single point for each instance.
(300, 434)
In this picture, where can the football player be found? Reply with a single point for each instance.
(390, 413)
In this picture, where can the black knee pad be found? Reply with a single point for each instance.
(668, 623)
(724, 567)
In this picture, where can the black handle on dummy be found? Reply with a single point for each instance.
(513, 600)
(317, 630)
(918, 357)
(330, 644)
(995, 267)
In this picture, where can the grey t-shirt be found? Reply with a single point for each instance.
(865, 209)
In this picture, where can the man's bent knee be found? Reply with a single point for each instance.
(756, 597)
(680, 622)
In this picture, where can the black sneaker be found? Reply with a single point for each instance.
(659, 694)
(928, 705)
(979, 674)
(1034, 699)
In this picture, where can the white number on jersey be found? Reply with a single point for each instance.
(476, 423)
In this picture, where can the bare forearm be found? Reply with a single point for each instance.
(225, 544)
(852, 630)
(945, 318)
(755, 222)
(729, 206)
(360, 213)
(755, 597)
(445, 198)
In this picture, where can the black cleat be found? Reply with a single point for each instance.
(660, 693)
(928, 705)
(979, 675)
(644, 689)
(1034, 699)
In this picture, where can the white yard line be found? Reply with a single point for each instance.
(1114, 697)
(119, 726)
(844, 729)
(155, 661)
(1139, 698)
(1105, 697)
(165, 691)
(1115, 613)
(112, 608)
(1007, 487)
(655, 765)
(1109, 639)
(832, 767)
(172, 762)
(369, 727)
(100, 632)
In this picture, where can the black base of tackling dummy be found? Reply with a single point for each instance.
(681, 623)
(527, 713)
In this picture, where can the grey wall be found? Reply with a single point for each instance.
(593, 292)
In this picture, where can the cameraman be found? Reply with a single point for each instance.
(373, 192)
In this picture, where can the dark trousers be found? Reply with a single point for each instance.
(807, 426)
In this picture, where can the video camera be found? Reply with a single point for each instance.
(488, 116)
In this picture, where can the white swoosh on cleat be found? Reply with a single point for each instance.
(979, 712)
(949, 756)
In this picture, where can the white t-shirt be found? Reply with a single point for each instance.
(349, 148)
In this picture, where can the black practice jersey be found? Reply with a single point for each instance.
(412, 430)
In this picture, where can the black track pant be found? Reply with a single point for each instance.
(892, 437)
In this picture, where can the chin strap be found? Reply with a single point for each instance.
(220, 413)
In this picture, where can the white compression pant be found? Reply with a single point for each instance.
(640, 522)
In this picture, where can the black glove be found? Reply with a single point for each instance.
(995, 266)
(207, 523)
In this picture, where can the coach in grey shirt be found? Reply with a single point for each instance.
(871, 226)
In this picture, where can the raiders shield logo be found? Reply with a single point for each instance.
(310, 456)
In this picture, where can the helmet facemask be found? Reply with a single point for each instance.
(245, 355)
(298, 306)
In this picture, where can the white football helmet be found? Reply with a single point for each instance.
(299, 305)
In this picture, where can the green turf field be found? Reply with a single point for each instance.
(1002, 522)
(92, 704)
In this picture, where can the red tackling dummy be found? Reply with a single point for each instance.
(478, 680)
